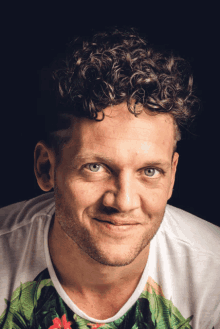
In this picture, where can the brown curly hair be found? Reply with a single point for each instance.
(118, 66)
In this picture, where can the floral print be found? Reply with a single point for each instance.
(36, 304)
(61, 323)
(96, 325)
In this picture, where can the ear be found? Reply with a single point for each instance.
(173, 173)
(44, 164)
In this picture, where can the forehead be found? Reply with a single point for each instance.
(123, 133)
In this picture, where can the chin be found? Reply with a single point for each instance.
(114, 263)
(116, 258)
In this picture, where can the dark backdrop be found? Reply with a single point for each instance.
(34, 34)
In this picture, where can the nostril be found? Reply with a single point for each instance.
(110, 210)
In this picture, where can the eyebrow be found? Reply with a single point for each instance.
(100, 158)
(92, 157)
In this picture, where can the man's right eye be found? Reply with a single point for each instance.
(93, 167)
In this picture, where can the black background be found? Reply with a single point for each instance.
(32, 34)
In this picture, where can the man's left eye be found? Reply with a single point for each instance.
(150, 172)
(94, 167)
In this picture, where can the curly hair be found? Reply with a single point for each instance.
(118, 66)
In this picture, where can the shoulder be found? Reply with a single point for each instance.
(188, 249)
(22, 213)
(192, 230)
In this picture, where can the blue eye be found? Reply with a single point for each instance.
(94, 167)
(150, 172)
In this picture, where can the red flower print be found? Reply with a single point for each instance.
(61, 323)
(95, 325)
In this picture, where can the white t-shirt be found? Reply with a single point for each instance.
(179, 288)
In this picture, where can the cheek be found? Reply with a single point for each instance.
(82, 194)
(154, 200)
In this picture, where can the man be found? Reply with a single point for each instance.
(104, 249)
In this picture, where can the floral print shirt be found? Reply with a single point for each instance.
(37, 305)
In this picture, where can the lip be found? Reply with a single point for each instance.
(117, 222)
(116, 226)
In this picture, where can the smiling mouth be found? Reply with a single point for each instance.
(116, 223)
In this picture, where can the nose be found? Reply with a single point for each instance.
(123, 195)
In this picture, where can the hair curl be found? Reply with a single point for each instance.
(118, 66)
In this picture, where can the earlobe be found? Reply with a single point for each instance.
(44, 166)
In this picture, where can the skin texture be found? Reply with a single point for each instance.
(111, 189)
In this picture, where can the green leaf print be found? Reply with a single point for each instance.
(37, 305)
(82, 323)
(164, 314)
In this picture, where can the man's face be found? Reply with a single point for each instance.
(113, 183)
